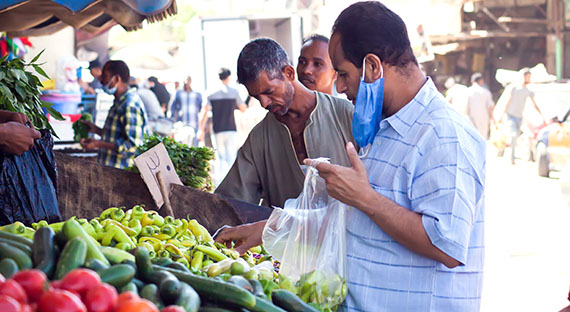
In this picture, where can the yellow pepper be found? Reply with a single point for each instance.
(173, 250)
(199, 231)
(156, 244)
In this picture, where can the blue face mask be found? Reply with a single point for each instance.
(107, 88)
(368, 109)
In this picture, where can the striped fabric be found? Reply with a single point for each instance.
(125, 127)
(431, 160)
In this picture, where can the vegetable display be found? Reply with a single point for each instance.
(192, 164)
(137, 260)
(79, 129)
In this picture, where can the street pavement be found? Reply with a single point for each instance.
(527, 227)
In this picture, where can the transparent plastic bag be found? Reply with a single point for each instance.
(308, 237)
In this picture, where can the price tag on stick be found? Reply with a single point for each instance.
(158, 173)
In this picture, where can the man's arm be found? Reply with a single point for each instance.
(16, 138)
(509, 100)
(537, 109)
(203, 122)
(402, 224)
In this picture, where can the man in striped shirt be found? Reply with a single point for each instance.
(415, 230)
(186, 106)
(126, 123)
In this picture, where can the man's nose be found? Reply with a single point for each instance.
(340, 86)
(308, 70)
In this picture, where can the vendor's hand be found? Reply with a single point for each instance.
(243, 236)
(16, 138)
(343, 183)
(89, 144)
(91, 127)
(7, 116)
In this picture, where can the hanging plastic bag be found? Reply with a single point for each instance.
(308, 237)
(28, 184)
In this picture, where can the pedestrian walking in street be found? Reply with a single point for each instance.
(480, 105)
(161, 93)
(456, 95)
(186, 108)
(222, 103)
(519, 93)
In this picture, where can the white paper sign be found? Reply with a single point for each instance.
(150, 163)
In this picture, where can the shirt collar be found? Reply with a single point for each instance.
(124, 96)
(405, 118)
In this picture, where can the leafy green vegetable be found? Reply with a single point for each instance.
(191, 163)
(79, 129)
(20, 90)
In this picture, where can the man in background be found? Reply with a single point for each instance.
(95, 70)
(480, 105)
(314, 69)
(222, 103)
(186, 107)
(161, 93)
(125, 125)
(456, 95)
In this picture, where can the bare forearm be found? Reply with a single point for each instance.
(403, 225)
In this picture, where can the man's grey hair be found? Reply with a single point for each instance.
(259, 55)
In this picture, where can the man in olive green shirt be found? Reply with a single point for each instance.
(301, 124)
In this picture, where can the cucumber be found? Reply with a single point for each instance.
(115, 255)
(117, 275)
(163, 261)
(257, 288)
(188, 298)
(150, 292)
(129, 287)
(177, 266)
(23, 247)
(95, 265)
(8, 267)
(290, 302)
(140, 284)
(16, 238)
(241, 282)
(169, 289)
(21, 258)
(262, 305)
(44, 253)
(72, 229)
(213, 309)
(72, 257)
(144, 266)
(213, 290)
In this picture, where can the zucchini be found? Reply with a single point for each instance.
(169, 289)
(44, 253)
(117, 275)
(116, 256)
(213, 290)
(72, 229)
(8, 267)
(140, 284)
(177, 266)
(95, 265)
(23, 247)
(213, 309)
(262, 305)
(188, 298)
(129, 287)
(290, 302)
(16, 238)
(21, 258)
(240, 281)
(150, 292)
(72, 257)
(144, 266)
(257, 288)
(163, 261)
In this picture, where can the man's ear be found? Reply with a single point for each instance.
(373, 67)
(289, 72)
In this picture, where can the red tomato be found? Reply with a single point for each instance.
(55, 284)
(27, 308)
(59, 300)
(2, 279)
(125, 297)
(9, 304)
(80, 281)
(101, 298)
(139, 305)
(173, 308)
(11, 288)
(33, 281)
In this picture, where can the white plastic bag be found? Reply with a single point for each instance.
(308, 237)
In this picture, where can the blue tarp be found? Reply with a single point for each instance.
(41, 17)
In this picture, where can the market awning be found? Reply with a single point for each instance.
(43, 17)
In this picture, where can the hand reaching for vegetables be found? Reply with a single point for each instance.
(243, 236)
(16, 138)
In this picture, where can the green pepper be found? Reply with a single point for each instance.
(120, 235)
(147, 231)
(168, 229)
(96, 226)
(206, 263)
(156, 229)
(138, 213)
(124, 246)
(197, 259)
(89, 229)
(118, 215)
(128, 215)
(183, 261)
(110, 231)
(14, 228)
(106, 214)
(158, 220)
(136, 226)
(269, 286)
(211, 252)
(163, 253)
(169, 220)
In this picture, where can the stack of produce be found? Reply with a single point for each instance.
(80, 131)
(192, 164)
(166, 261)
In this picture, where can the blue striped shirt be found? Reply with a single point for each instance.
(431, 160)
